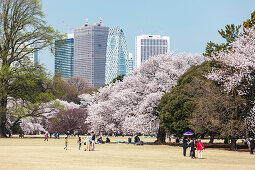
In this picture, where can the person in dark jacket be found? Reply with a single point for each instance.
(137, 139)
(192, 148)
(251, 145)
(93, 138)
(107, 140)
(184, 145)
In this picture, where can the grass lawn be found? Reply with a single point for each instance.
(34, 153)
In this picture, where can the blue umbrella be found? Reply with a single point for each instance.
(188, 133)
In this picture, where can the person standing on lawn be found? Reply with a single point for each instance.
(200, 148)
(46, 137)
(93, 140)
(87, 141)
(192, 148)
(66, 143)
(251, 145)
(79, 142)
(184, 145)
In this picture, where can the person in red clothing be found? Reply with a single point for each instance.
(200, 148)
(46, 137)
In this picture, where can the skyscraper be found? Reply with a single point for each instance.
(90, 42)
(116, 55)
(64, 56)
(150, 45)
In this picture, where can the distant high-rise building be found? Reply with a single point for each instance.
(116, 55)
(36, 57)
(90, 42)
(33, 57)
(150, 45)
(64, 55)
(130, 62)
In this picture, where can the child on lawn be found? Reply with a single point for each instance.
(66, 142)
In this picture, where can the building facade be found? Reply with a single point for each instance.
(130, 62)
(64, 56)
(90, 42)
(150, 45)
(117, 55)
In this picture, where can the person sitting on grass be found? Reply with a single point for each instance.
(107, 140)
(129, 139)
(100, 141)
(137, 139)
(66, 142)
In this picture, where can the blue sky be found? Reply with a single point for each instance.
(189, 23)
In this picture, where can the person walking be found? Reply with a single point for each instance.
(79, 142)
(46, 137)
(184, 145)
(87, 141)
(200, 148)
(251, 145)
(93, 140)
(66, 143)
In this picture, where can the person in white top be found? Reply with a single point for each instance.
(88, 143)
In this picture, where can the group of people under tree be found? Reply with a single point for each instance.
(193, 145)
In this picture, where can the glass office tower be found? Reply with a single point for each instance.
(64, 55)
(117, 55)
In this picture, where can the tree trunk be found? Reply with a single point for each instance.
(161, 136)
(3, 120)
(3, 127)
(233, 143)
(3, 106)
(226, 140)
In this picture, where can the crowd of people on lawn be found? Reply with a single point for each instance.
(191, 143)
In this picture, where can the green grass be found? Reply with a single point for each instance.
(34, 153)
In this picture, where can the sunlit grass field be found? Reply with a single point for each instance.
(34, 153)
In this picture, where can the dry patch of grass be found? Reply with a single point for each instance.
(34, 153)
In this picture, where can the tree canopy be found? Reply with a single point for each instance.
(23, 31)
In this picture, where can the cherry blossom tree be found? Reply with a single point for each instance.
(251, 120)
(239, 67)
(33, 118)
(130, 106)
(240, 61)
(69, 120)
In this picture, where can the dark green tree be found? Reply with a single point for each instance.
(201, 105)
(250, 22)
(118, 78)
(230, 34)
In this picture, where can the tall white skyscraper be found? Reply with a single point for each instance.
(90, 42)
(147, 46)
